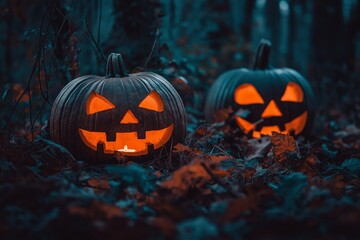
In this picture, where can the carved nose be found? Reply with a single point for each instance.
(129, 117)
(271, 110)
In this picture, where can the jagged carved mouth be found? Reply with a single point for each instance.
(296, 125)
(127, 143)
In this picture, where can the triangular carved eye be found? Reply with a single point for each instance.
(153, 102)
(293, 93)
(97, 103)
(247, 94)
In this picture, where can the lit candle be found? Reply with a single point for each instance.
(126, 149)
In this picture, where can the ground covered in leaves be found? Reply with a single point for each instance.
(218, 185)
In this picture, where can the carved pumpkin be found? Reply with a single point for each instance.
(135, 115)
(263, 99)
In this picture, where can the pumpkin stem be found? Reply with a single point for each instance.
(262, 55)
(115, 66)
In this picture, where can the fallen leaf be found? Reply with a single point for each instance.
(181, 148)
(98, 183)
(191, 176)
(283, 144)
(312, 160)
(252, 200)
(218, 158)
(19, 92)
(96, 210)
(222, 114)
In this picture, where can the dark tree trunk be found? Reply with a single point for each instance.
(246, 28)
(273, 23)
(352, 31)
(135, 29)
(292, 34)
(8, 41)
(247, 24)
(328, 32)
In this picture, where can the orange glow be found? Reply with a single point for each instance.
(271, 110)
(267, 130)
(293, 93)
(256, 134)
(247, 94)
(297, 124)
(129, 118)
(127, 142)
(153, 102)
(245, 126)
(97, 103)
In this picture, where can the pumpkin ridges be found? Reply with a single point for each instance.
(220, 94)
(271, 83)
(58, 116)
(72, 112)
(172, 97)
(57, 102)
(141, 80)
(75, 111)
(309, 97)
(71, 101)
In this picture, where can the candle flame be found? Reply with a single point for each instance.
(126, 149)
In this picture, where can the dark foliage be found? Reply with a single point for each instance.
(218, 183)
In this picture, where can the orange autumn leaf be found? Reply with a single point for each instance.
(96, 209)
(312, 160)
(181, 148)
(218, 158)
(18, 92)
(98, 183)
(283, 144)
(245, 204)
(223, 114)
(192, 176)
(181, 83)
(188, 176)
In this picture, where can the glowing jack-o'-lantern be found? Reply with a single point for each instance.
(135, 115)
(264, 99)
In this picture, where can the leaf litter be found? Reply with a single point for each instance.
(207, 192)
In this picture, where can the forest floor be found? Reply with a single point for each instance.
(273, 187)
(218, 184)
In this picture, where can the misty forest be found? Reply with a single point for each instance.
(186, 119)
